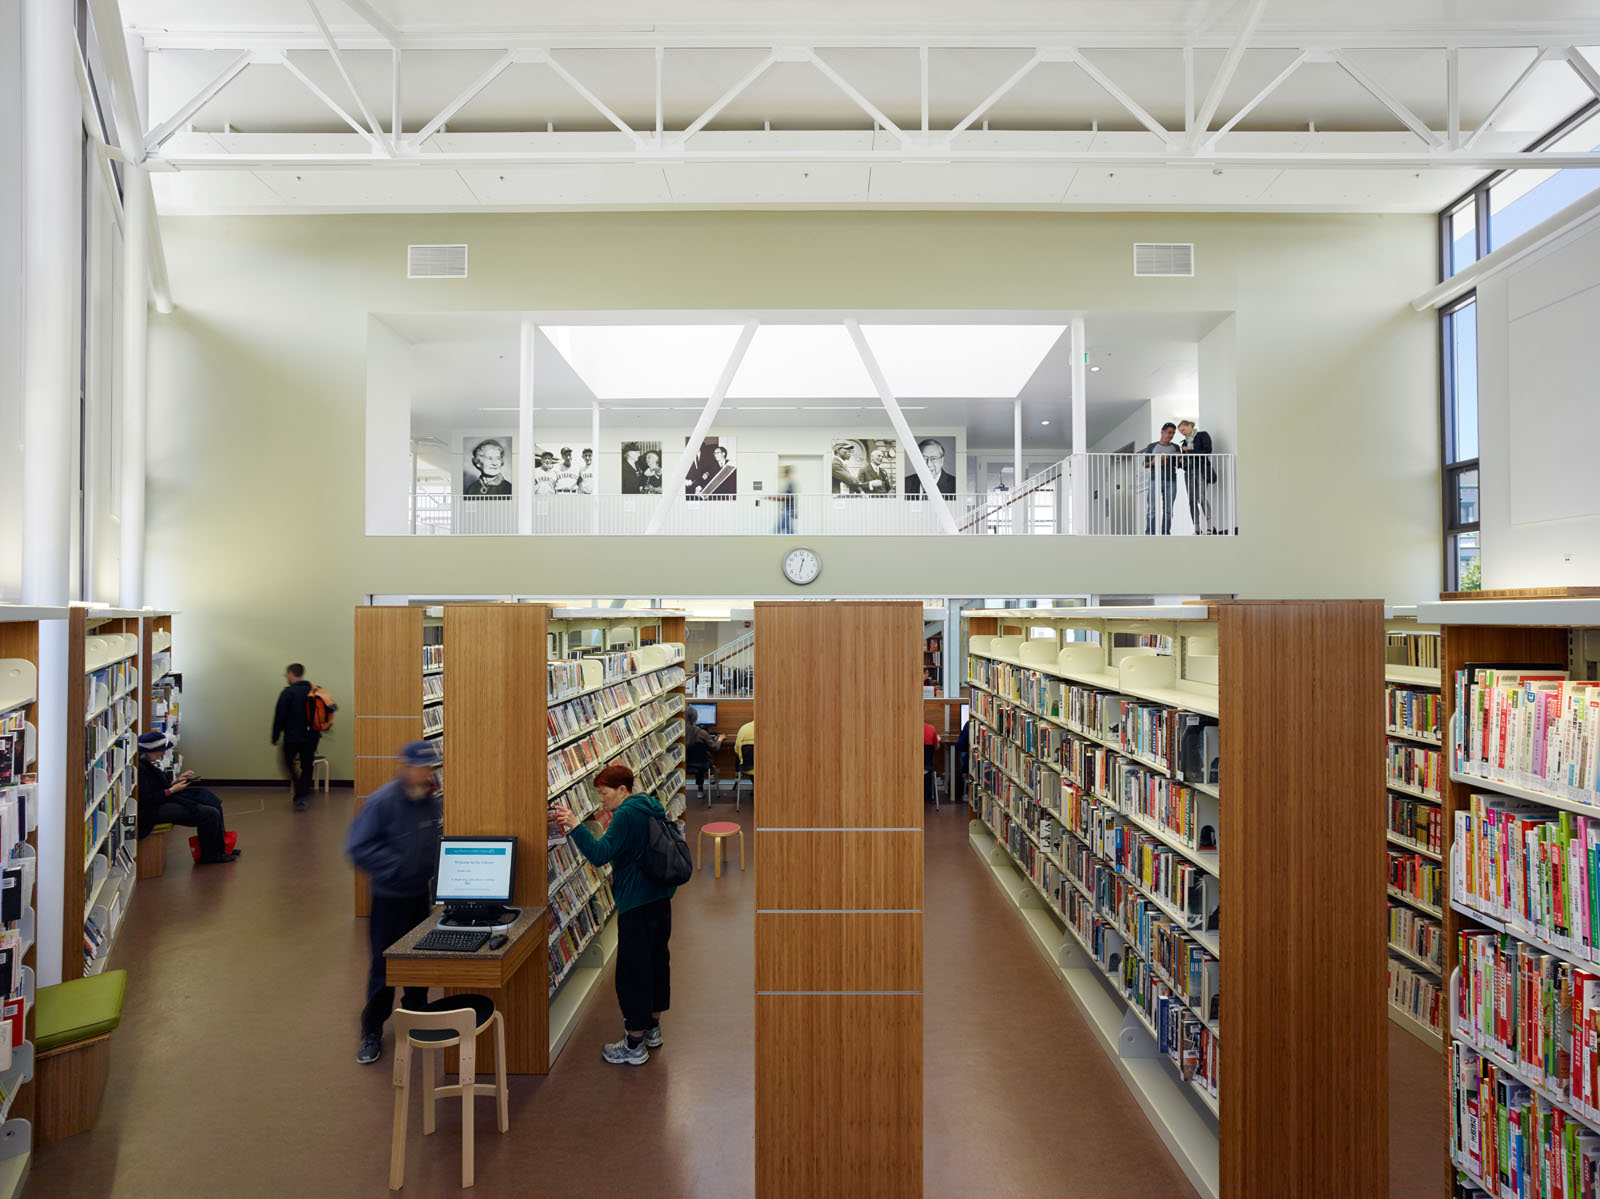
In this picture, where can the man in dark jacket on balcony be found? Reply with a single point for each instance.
(395, 839)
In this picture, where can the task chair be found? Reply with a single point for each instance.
(746, 773)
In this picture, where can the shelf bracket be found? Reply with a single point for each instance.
(1135, 1041)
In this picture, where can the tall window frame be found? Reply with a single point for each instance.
(1461, 546)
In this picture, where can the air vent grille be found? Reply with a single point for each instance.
(1163, 258)
(436, 262)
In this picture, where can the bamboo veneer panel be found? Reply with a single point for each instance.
(388, 702)
(1482, 644)
(1304, 1105)
(850, 1120)
(839, 923)
(802, 869)
(838, 951)
(72, 895)
(983, 626)
(1505, 593)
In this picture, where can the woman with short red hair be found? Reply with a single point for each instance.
(644, 910)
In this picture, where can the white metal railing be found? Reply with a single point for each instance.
(1127, 495)
(729, 670)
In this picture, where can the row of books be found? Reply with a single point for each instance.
(1413, 649)
(567, 718)
(432, 720)
(1515, 1142)
(569, 942)
(658, 681)
(1535, 869)
(1415, 711)
(1533, 728)
(109, 682)
(1415, 766)
(663, 775)
(433, 657)
(1416, 820)
(1419, 877)
(1417, 994)
(568, 899)
(18, 813)
(1419, 935)
(94, 940)
(432, 687)
(565, 678)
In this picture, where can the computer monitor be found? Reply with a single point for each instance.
(964, 709)
(475, 878)
(704, 714)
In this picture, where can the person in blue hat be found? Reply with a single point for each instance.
(395, 839)
(167, 800)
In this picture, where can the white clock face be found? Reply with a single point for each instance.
(801, 566)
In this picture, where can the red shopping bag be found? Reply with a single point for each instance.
(229, 840)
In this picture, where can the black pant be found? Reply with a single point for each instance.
(298, 759)
(644, 979)
(200, 810)
(391, 919)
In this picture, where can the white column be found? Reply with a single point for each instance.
(51, 155)
(135, 345)
(1016, 465)
(1080, 429)
(594, 445)
(525, 430)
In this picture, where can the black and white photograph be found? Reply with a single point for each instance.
(562, 468)
(486, 466)
(641, 468)
(940, 454)
(864, 466)
(713, 475)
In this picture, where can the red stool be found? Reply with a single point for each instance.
(719, 830)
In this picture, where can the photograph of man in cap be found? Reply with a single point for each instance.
(395, 839)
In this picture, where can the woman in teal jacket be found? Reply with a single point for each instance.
(644, 911)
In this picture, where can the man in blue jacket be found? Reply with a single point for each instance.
(395, 839)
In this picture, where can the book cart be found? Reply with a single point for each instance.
(1182, 802)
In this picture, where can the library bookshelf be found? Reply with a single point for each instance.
(19, 924)
(538, 699)
(399, 697)
(106, 712)
(1521, 779)
(1121, 758)
(1413, 723)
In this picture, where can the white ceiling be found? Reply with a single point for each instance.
(464, 376)
(814, 127)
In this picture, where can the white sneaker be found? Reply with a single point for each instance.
(652, 1039)
(618, 1053)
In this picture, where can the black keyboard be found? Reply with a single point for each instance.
(453, 940)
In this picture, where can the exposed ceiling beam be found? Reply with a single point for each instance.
(1539, 58)
(1250, 104)
(1389, 100)
(464, 97)
(672, 154)
(196, 102)
(1225, 73)
(1584, 68)
(997, 95)
(729, 96)
(387, 29)
(854, 95)
(350, 84)
(1121, 97)
(333, 105)
(593, 100)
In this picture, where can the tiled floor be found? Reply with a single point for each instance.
(234, 1073)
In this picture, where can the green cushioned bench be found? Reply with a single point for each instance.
(72, 1026)
(151, 859)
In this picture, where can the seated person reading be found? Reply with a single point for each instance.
(167, 800)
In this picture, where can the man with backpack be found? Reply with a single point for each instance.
(649, 860)
(304, 712)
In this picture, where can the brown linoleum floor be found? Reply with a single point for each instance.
(233, 1072)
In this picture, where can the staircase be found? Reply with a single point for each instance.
(728, 671)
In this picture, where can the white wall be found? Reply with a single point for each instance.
(1538, 414)
(11, 301)
(258, 388)
(1136, 428)
(1219, 387)
(388, 440)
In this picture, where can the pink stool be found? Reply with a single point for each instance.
(718, 830)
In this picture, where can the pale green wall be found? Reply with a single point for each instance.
(258, 392)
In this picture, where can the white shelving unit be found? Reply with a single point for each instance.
(111, 731)
(1032, 805)
(646, 732)
(1411, 669)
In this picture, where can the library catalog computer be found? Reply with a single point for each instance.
(475, 880)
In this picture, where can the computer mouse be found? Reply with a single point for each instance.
(498, 941)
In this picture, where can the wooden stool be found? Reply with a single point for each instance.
(150, 856)
(718, 830)
(73, 1023)
(320, 773)
(455, 1020)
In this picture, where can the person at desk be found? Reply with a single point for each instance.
(963, 749)
(644, 910)
(745, 736)
(167, 800)
(395, 839)
(699, 738)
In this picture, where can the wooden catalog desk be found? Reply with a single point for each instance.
(513, 976)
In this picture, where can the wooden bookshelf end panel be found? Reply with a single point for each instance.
(838, 951)
(838, 1096)
(851, 708)
(848, 870)
(388, 678)
(1304, 1016)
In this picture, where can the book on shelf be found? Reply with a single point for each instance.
(1418, 934)
(1417, 877)
(1410, 765)
(1415, 711)
(1416, 820)
(1413, 649)
(1418, 995)
(1531, 727)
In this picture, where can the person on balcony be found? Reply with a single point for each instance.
(1161, 462)
(1199, 472)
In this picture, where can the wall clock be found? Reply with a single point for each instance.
(802, 566)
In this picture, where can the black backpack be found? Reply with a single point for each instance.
(666, 860)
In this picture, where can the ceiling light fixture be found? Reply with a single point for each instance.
(1094, 368)
(1044, 422)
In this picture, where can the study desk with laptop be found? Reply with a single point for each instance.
(473, 940)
